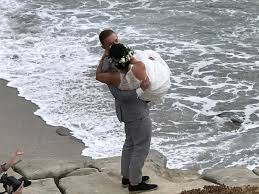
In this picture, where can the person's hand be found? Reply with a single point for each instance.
(15, 157)
(145, 84)
(19, 190)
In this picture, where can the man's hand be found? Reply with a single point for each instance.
(19, 190)
(145, 84)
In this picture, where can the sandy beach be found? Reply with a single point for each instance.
(20, 128)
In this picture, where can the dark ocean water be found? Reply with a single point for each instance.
(49, 51)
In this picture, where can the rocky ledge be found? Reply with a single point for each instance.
(102, 176)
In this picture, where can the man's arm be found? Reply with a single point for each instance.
(100, 65)
(105, 65)
(110, 78)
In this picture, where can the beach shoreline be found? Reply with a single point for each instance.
(21, 128)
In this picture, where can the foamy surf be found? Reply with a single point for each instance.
(210, 117)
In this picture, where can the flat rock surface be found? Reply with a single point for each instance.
(82, 171)
(42, 186)
(101, 183)
(234, 176)
(89, 184)
(169, 181)
(48, 168)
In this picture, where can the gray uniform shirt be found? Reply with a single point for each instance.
(128, 106)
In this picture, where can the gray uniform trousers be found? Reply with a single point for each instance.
(135, 149)
(135, 115)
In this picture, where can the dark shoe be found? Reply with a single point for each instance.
(141, 187)
(125, 182)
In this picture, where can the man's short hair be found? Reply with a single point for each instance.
(104, 34)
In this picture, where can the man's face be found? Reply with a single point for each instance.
(110, 40)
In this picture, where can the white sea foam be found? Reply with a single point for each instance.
(53, 65)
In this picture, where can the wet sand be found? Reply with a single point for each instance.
(20, 128)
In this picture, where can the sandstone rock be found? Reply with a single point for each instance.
(177, 175)
(62, 131)
(111, 166)
(157, 162)
(102, 176)
(173, 175)
(157, 158)
(82, 171)
(97, 183)
(183, 180)
(49, 168)
(15, 57)
(234, 176)
(166, 185)
(256, 171)
(42, 186)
